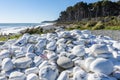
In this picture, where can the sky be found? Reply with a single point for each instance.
(33, 11)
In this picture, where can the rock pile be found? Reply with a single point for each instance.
(62, 55)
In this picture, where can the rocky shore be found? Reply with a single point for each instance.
(61, 55)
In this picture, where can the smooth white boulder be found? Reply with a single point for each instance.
(23, 62)
(31, 49)
(7, 64)
(3, 77)
(64, 76)
(51, 45)
(41, 43)
(4, 54)
(116, 74)
(101, 65)
(48, 73)
(37, 60)
(78, 50)
(98, 77)
(97, 49)
(79, 75)
(32, 76)
(50, 55)
(87, 63)
(65, 62)
(16, 75)
(32, 70)
(30, 55)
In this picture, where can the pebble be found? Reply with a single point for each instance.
(17, 76)
(7, 64)
(65, 62)
(4, 54)
(48, 73)
(101, 65)
(32, 70)
(23, 62)
(32, 76)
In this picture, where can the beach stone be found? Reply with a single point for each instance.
(63, 76)
(78, 50)
(116, 44)
(3, 77)
(101, 65)
(116, 74)
(32, 70)
(97, 49)
(87, 63)
(43, 64)
(65, 62)
(37, 60)
(51, 45)
(23, 62)
(16, 75)
(48, 73)
(7, 64)
(98, 77)
(30, 55)
(4, 54)
(31, 49)
(79, 75)
(21, 41)
(41, 43)
(32, 76)
(51, 55)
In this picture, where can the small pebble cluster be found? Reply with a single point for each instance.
(61, 55)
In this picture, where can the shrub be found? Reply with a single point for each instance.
(98, 26)
(90, 24)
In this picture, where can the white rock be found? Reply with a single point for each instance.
(30, 55)
(64, 76)
(43, 64)
(98, 77)
(101, 65)
(32, 76)
(51, 46)
(78, 50)
(87, 63)
(23, 62)
(116, 44)
(32, 70)
(42, 43)
(21, 41)
(3, 77)
(17, 76)
(37, 60)
(7, 64)
(65, 62)
(97, 49)
(116, 74)
(4, 54)
(31, 49)
(79, 75)
(48, 73)
(50, 55)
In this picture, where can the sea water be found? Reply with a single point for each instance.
(7, 28)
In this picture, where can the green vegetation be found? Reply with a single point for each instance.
(84, 12)
(5, 38)
(103, 14)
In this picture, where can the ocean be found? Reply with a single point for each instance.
(18, 25)
(7, 28)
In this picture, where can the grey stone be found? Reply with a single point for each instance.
(23, 62)
(7, 64)
(65, 62)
